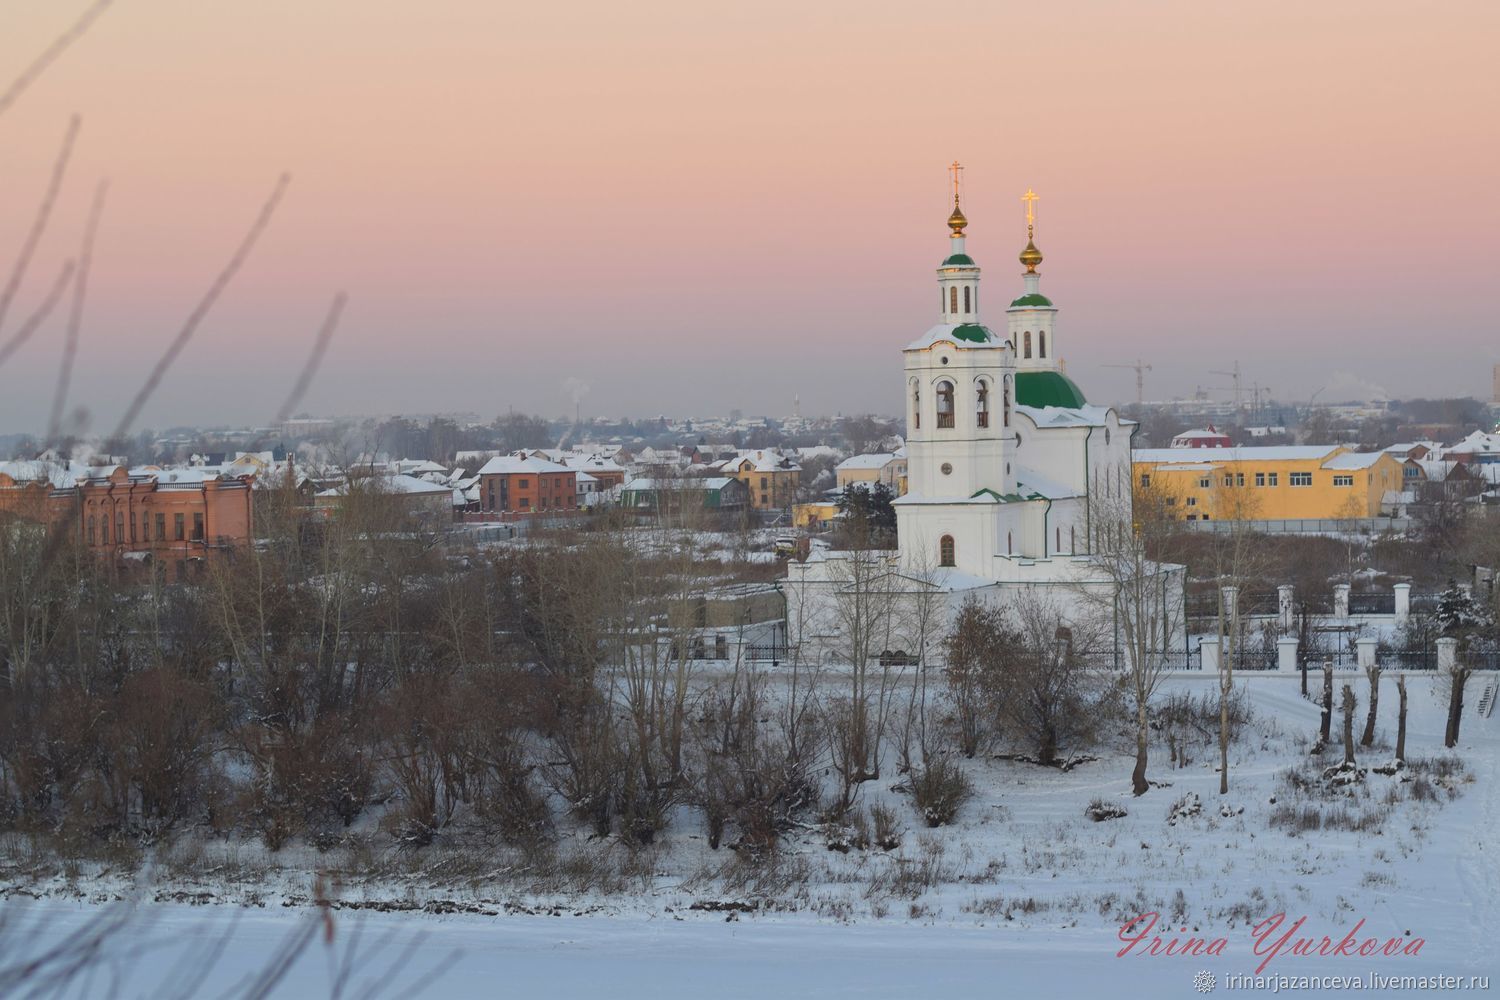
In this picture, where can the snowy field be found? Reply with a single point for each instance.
(1024, 896)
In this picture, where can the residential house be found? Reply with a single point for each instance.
(525, 483)
(771, 478)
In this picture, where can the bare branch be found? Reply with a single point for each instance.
(75, 315)
(39, 224)
(36, 319)
(241, 254)
(310, 368)
(59, 45)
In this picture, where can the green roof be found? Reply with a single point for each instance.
(973, 333)
(1047, 388)
(959, 260)
(1032, 299)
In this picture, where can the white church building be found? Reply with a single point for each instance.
(1004, 454)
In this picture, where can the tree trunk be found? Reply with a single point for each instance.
(1225, 685)
(1401, 718)
(1327, 701)
(1456, 706)
(1348, 724)
(1138, 776)
(1369, 736)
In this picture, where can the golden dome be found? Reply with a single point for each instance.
(956, 221)
(1031, 256)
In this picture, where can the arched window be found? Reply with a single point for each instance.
(945, 404)
(945, 551)
(1041, 343)
(1005, 403)
(1072, 540)
(982, 404)
(91, 529)
(916, 404)
(1057, 546)
(953, 299)
(1026, 344)
(1008, 547)
(966, 299)
(104, 529)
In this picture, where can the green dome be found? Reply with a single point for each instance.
(1033, 299)
(959, 260)
(1048, 388)
(973, 333)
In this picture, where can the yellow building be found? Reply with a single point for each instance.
(1323, 482)
(888, 468)
(772, 478)
(816, 516)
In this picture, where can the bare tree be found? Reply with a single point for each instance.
(1372, 673)
(1129, 535)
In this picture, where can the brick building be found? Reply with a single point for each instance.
(526, 482)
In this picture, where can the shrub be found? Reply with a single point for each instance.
(939, 788)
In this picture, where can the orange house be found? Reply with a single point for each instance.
(174, 515)
(525, 483)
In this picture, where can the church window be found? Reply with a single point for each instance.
(1005, 403)
(966, 299)
(104, 529)
(1072, 540)
(945, 404)
(1026, 344)
(953, 299)
(945, 551)
(982, 404)
(916, 405)
(1041, 343)
(1008, 547)
(1057, 545)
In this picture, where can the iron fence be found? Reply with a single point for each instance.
(1372, 602)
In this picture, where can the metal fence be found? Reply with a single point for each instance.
(1372, 602)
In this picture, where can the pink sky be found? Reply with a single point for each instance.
(693, 207)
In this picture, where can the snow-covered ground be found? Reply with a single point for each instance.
(1023, 896)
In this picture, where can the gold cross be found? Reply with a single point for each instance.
(1030, 198)
(955, 170)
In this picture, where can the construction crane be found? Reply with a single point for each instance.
(1141, 368)
(1235, 374)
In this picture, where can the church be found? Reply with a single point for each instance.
(1006, 460)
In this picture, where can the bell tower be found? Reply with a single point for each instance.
(960, 387)
(1031, 319)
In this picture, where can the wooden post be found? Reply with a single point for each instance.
(1369, 735)
(1401, 718)
(1348, 725)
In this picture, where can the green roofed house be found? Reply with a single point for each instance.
(709, 493)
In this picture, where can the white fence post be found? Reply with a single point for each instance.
(1403, 603)
(1286, 654)
(1364, 652)
(1231, 596)
(1285, 603)
(1210, 651)
(1341, 601)
(1447, 654)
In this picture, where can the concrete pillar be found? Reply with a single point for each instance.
(1364, 651)
(1210, 650)
(1403, 602)
(1341, 601)
(1447, 654)
(1286, 654)
(1285, 605)
(1231, 601)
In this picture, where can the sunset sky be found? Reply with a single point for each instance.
(691, 207)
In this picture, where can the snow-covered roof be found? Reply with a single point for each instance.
(1354, 460)
(1271, 453)
(505, 465)
(874, 460)
(1068, 416)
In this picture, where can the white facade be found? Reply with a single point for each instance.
(1003, 454)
